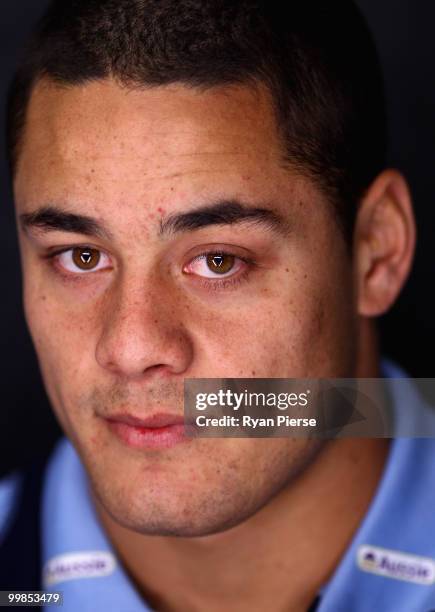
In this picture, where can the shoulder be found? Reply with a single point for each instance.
(413, 415)
(20, 492)
(10, 486)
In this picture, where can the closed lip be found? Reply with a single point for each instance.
(156, 431)
(153, 421)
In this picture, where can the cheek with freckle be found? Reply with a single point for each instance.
(63, 340)
(286, 336)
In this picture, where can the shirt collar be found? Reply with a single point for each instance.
(390, 563)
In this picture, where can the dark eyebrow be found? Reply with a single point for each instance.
(224, 213)
(52, 218)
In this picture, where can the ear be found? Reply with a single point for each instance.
(384, 243)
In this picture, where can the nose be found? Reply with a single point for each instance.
(142, 332)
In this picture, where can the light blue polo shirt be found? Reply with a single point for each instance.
(388, 567)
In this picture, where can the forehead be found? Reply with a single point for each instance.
(151, 131)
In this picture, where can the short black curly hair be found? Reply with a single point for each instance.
(316, 57)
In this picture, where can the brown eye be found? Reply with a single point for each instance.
(84, 258)
(220, 263)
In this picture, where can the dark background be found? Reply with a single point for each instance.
(404, 34)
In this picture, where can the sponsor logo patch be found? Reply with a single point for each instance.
(78, 565)
(396, 564)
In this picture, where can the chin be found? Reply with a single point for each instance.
(169, 514)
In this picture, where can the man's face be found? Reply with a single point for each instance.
(124, 314)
